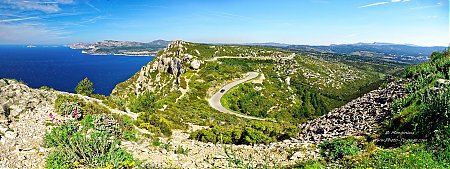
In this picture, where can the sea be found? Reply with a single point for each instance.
(61, 67)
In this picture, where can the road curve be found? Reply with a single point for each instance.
(214, 101)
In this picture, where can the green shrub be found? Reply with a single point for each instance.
(251, 133)
(126, 125)
(338, 148)
(106, 123)
(71, 109)
(406, 156)
(87, 122)
(46, 88)
(94, 108)
(62, 99)
(85, 87)
(144, 103)
(156, 124)
(73, 148)
(129, 135)
(60, 135)
(182, 150)
(309, 164)
(86, 107)
(156, 142)
(183, 83)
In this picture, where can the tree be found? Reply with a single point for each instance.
(144, 103)
(85, 87)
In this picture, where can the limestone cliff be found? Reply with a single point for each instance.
(162, 75)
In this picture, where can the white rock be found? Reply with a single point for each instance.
(195, 64)
(10, 135)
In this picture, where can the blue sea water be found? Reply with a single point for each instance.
(62, 68)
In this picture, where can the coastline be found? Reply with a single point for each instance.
(83, 50)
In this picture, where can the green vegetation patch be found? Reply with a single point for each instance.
(91, 141)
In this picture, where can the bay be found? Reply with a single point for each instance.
(62, 68)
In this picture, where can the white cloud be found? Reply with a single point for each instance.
(374, 4)
(18, 19)
(383, 3)
(37, 5)
(29, 33)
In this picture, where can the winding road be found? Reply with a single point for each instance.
(214, 101)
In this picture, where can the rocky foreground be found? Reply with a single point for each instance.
(359, 117)
(362, 116)
(24, 112)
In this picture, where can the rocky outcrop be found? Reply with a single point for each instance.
(195, 64)
(362, 116)
(162, 75)
(173, 66)
(23, 113)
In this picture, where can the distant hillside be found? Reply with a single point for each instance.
(398, 52)
(122, 47)
(389, 51)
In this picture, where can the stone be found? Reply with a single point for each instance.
(195, 64)
(297, 155)
(10, 135)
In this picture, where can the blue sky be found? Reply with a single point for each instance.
(313, 22)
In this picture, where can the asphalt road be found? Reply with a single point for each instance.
(214, 101)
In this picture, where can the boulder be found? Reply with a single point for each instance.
(195, 64)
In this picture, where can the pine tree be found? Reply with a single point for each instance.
(85, 87)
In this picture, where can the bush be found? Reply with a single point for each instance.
(183, 83)
(60, 135)
(182, 150)
(309, 164)
(156, 142)
(76, 149)
(338, 148)
(406, 156)
(144, 103)
(126, 125)
(106, 123)
(85, 87)
(71, 109)
(155, 124)
(252, 133)
(86, 107)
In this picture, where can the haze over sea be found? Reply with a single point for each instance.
(62, 68)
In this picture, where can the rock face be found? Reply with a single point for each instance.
(23, 112)
(173, 66)
(361, 116)
(162, 75)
